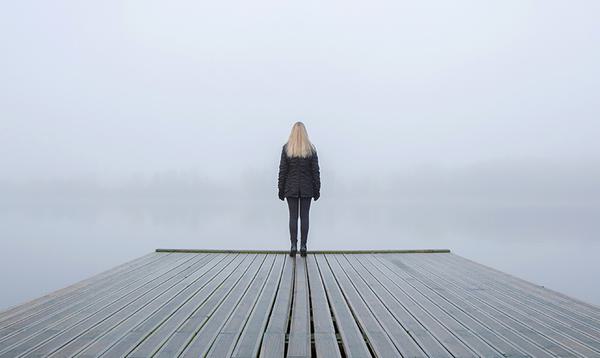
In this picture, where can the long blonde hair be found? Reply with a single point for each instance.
(298, 145)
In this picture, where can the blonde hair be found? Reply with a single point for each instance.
(298, 145)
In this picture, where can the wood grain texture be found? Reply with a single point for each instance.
(332, 303)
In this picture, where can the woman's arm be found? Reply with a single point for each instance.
(316, 176)
(283, 169)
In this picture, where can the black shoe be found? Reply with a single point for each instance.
(303, 250)
(293, 250)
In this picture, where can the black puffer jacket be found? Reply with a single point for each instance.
(299, 176)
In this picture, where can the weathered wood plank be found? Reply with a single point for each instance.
(299, 336)
(178, 341)
(205, 336)
(216, 251)
(352, 338)
(160, 308)
(147, 336)
(543, 305)
(380, 283)
(159, 321)
(497, 322)
(399, 336)
(455, 327)
(136, 311)
(273, 344)
(326, 344)
(441, 298)
(339, 303)
(32, 324)
(53, 302)
(568, 338)
(249, 342)
(75, 288)
(152, 300)
(380, 343)
(446, 337)
(491, 308)
(568, 303)
(65, 331)
(32, 337)
(227, 339)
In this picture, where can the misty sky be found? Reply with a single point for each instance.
(116, 115)
(111, 89)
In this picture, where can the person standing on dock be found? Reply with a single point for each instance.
(299, 180)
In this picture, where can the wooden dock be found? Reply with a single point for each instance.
(223, 303)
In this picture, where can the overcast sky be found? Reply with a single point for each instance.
(437, 102)
(111, 89)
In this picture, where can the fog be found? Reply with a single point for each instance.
(131, 125)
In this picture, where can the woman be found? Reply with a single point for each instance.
(299, 181)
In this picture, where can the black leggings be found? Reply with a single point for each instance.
(304, 206)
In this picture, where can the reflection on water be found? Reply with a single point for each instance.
(46, 248)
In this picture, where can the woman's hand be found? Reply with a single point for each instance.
(281, 197)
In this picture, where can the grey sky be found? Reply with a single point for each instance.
(133, 125)
(113, 88)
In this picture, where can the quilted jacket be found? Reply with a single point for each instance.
(299, 176)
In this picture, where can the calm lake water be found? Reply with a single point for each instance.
(48, 247)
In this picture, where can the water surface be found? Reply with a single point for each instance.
(46, 247)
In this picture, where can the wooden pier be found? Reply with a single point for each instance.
(225, 303)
